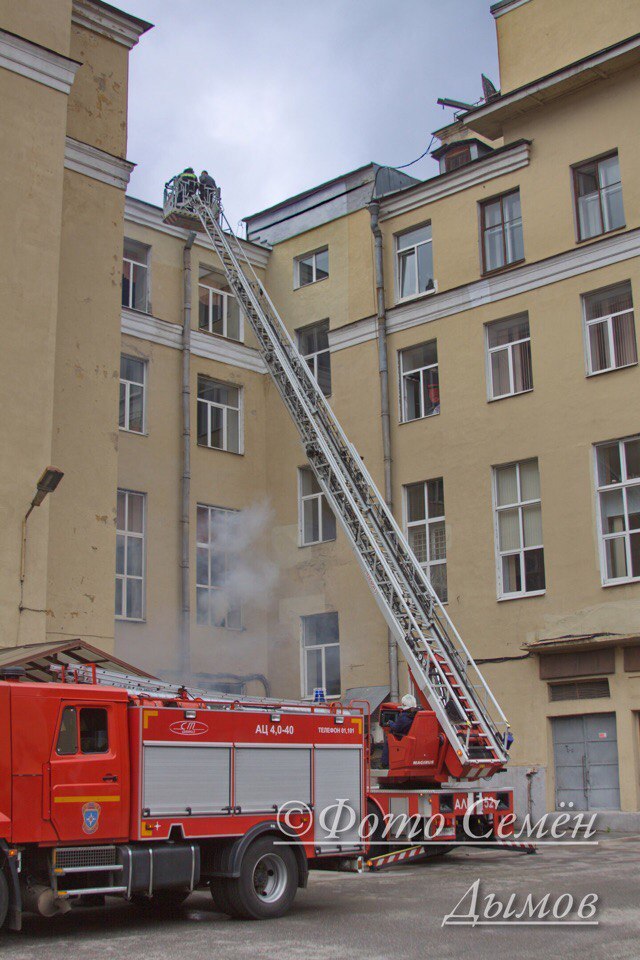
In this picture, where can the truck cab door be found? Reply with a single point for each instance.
(89, 772)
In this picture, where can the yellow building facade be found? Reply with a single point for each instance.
(498, 319)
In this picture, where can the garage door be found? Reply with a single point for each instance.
(586, 762)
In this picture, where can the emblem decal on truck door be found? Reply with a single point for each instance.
(188, 728)
(90, 816)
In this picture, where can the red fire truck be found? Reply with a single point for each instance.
(111, 786)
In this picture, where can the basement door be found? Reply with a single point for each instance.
(585, 751)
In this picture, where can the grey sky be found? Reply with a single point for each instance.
(274, 96)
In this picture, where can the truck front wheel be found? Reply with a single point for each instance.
(267, 883)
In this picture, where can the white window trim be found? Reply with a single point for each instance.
(140, 536)
(224, 407)
(127, 398)
(606, 318)
(225, 300)
(302, 498)
(408, 524)
(403, 397)
(208, 586)
(145, 266)
(503, 597)
(303, 663)
(397, 272)
(305, 256)
(603, 537)
(489, 351)
(312, 358)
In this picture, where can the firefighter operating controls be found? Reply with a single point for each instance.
(445, 677)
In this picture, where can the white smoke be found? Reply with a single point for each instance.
(239, 549)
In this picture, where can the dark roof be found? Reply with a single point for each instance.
(310, 191)
(37, 658)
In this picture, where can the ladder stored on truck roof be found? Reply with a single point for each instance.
(440, 664)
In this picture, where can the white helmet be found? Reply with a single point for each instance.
(409, 702)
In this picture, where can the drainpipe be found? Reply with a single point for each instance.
(383, 370)
(185, 621)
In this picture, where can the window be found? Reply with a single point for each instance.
(215, 604)
(415, 261)
(313, 344)
(311, 268)
(132, 383)
(135, 276)
(579, 690)
(321, 654)
(130, 526)
(420, 386)
(316, 520)
(218, 309)
(509, 357)
(457, 157)
(218, 415)
(426, 532)
(519, 529)
(618, 480)
(598, 194)
(94, 735)
(501, 227)
(67, 743)
(610, 329)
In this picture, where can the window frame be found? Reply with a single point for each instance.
(224, 407)
(483, 204)
(127, 399)
(307, 357)
(319, 497)
(402, 391)
(509, 347)
(427, 522)
(519, 504)
(322, 647)
(146, 265)
(211, 508)
(226, 295)
(626, 534)
(297, 285)
(586, 324)
(575, 168)
(125, 576)
(405, 250)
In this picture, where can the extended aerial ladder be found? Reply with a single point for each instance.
(442, 669)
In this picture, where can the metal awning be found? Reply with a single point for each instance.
(37, 658)
(373, 695)
(582, 641)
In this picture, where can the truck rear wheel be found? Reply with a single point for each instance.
(4, 898)
(267, 883)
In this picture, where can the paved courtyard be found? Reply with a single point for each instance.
(394, 914)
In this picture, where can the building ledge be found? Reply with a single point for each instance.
(109, 22)
(489, 118)
(37, 63)
(97, 164)
(582, 641)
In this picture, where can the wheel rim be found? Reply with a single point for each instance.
(269, 878)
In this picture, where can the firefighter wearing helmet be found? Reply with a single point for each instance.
(400, 726)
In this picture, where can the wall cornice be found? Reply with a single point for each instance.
(109, 22)
(147, 215)
(97, 164)
(497, 164)
(146, 327)
(571, 263)
(37, 63)
(505, 6)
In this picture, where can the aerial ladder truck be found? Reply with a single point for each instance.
(117, 785)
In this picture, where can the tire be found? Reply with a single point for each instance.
(164, 901)
(219, 887)
(268, 881)
(4, 898)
